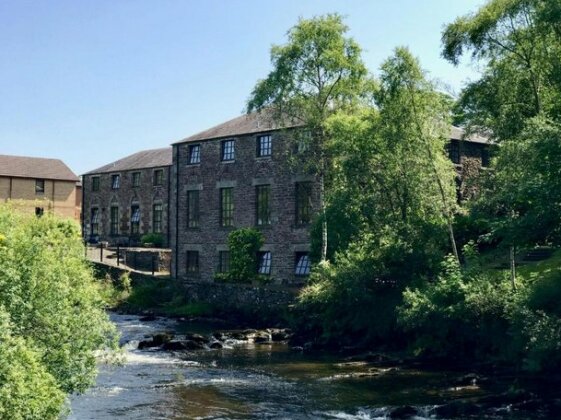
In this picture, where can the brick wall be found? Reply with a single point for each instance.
(59, 197)
(145, 196)
(282, 237)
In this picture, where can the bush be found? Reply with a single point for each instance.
(156, 239)
(462, 315)
(27, 389)
(243, 244)
(352, 302)
(53, 303)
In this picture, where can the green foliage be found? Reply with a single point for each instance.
(161, 296)
(156, 239)
(244, 244)
(462, 315)
(53, 304)
(124, 283)
(27, 389)
(519, 43)
(353, 300)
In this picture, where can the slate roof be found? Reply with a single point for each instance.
(256, 122)
(145, 159)
(34, 167)
(262, 122)
(458, 133)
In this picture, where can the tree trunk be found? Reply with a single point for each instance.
(513, 267)
(324, 218)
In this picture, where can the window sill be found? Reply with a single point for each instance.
(193, 165)
(263, 157)
(228, 161)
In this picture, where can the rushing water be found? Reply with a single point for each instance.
(249, 381)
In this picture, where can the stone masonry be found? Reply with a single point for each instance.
(139, 187)
(283, 236)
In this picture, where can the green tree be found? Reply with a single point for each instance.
(519, 44)
(317, 73)
(53, 303)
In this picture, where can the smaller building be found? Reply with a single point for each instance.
(39, 185)
(128, 198)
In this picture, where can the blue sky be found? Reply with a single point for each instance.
(92, 81)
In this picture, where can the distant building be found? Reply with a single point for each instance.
(38, 186)
(128, 198)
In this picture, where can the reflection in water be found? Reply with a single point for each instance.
(248, 381)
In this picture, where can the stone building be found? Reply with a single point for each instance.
(38, 185)
(237, 175)
(128, 198)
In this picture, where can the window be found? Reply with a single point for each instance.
(264, 146)
(485, 158)
(193, 209)
(157, 218)
(302, 264)
(226, 207)
(224, 261)
(136, 179)
(39, 186)
(194, 154)
(303, 141)
(264, 262)
(454, 152)
(228, 152)
(115, 181)
(303, 203)
(94, 222)
(95, 183)
(192, 262)
(114, 228)
(263, 207)
(39, 211)
(135, 220)
(159, 177)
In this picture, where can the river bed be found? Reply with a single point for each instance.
(257, 381)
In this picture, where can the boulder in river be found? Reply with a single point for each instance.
(178, 345)
(216, 345)
(403, 412)
(196, 338)
(280, 334)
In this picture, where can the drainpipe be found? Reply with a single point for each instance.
(176, 167)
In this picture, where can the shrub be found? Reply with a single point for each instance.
(156, 239)
(53, 303)
(243, 245)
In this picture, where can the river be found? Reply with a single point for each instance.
(252, 381)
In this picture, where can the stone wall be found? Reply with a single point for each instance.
(143, 258)
(283, 238)
(227, 295)
(145, 196)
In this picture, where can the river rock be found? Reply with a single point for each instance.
(280, 334)
(196, 338)
(216, 345)
(260, 337)
(148, 318)
(162, 338)
(146, 344)
(404, 412)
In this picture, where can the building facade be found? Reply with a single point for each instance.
(39, 186)
(128, 198)
(237, 175)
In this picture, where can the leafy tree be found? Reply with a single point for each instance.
(27, 390)
(518, 42)
(318, 72)
(49, 294)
